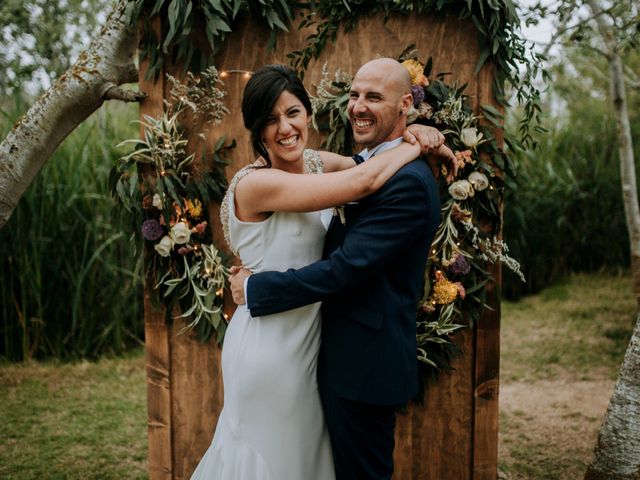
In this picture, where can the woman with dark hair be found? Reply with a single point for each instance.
(272, 426)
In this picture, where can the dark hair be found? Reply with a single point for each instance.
(260, 95)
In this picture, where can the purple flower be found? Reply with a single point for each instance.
(418, 95)
(460, 266)
(151, 229)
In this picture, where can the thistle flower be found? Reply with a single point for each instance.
(460, 266)
(151, 230)
(418, 95)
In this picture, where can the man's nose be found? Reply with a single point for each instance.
(359, 105)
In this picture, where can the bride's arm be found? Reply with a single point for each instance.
(429, 138)
(273, 190)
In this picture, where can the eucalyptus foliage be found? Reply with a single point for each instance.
(496, 21)
(166, 187)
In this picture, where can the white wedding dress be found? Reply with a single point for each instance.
(271, 426)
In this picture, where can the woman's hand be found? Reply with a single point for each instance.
(429, 138)
(433, 148)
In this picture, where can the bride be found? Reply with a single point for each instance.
(272, 426)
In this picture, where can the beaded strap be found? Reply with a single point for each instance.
(312, 164)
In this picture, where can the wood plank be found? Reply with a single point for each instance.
(487, 364)
(157, 344)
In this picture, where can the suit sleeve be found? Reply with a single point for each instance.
(393, 218)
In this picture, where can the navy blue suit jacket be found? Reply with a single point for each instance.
(369, 280)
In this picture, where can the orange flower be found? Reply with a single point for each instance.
(416, 70)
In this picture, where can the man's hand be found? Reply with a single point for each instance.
(236, 279)
(429, 138)
(443, 157)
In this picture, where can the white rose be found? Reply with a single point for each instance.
(164, 246)
(470, 137)
(461, 190)
(156, 201)
(479, 181)
(180, 233)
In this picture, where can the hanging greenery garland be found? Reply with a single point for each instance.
(167, 198)
(496, 21)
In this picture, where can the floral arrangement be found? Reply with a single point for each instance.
(464, 244)
(165, 188)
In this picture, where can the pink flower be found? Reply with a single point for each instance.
(185, 250)
(200, 228)
(461, 290)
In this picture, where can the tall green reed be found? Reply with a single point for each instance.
(564, 211)
(70, 285)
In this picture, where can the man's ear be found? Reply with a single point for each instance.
(406, 102)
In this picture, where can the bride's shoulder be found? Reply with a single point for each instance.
(312, 161)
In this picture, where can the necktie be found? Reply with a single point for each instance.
(358, 159)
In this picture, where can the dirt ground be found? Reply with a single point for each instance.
(559, 416)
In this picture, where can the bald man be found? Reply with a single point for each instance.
(370, 281)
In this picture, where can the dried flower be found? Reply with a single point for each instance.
(416, 70)
(461, 190)
(147, 202)
(199, 228)
(461, 291)
(151, 229)
(427, 307)
(465, 157)
(157, 201)
(194, 208)
(460, 265)
(444, 291)
(185, 249)
(418, 95)
(460, 214)
(164, 246)
(425, 111)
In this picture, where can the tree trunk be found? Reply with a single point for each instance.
(617, 453)
(625, 145)
(81, 90)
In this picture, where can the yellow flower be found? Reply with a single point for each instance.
(416, 70)
(194, 208)
(444, 291)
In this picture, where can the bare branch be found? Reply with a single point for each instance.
(116, 93)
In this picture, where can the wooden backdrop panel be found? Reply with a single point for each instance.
(454, 434)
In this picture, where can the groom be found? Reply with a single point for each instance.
(370, 281)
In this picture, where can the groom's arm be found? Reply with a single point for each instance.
(394, 217)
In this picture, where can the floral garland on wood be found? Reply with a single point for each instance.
(165, 190)
(456, 273)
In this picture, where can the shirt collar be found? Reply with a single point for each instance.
(366, 153)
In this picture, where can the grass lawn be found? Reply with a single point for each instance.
(73, 421)
(561, 351)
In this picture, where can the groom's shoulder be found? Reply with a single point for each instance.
(416, 171)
